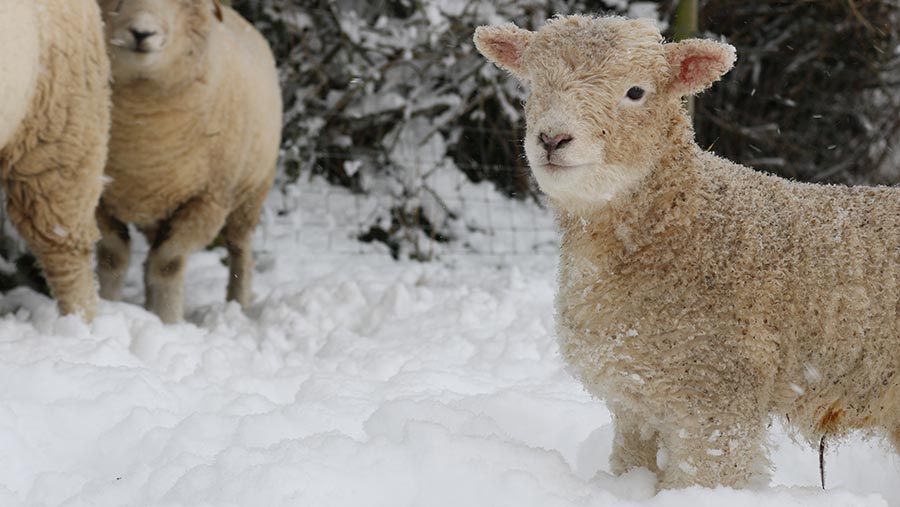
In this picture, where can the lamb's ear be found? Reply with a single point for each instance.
(504, 45)
(217, 10)
(695, 64)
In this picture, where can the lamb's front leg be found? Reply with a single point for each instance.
(724, 452)
(635, 444)
(238, 232)
(193, 226)
(113, 254)
(717, 416)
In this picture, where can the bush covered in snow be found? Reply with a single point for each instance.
(386, 97)
(814, 95)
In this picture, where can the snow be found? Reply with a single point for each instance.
(353, 380)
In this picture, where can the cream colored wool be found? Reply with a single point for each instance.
(697, 297)
(54, 124)
(194, 142)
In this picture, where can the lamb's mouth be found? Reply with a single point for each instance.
(130, 48)
(551, 167)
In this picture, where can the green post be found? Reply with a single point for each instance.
(685, 28)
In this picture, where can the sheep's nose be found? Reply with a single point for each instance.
(552, 144)
(141, 35)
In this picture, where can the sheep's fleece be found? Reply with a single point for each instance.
(54, 126)
(193, 146)
(697, 297)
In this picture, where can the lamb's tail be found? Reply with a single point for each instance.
(19, 63)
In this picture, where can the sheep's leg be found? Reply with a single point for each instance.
(113, 254)
(238, 231)
(728, 453)
(633, 447)
(54, 214)
(70, 274)
(193, 226)
(894, 435)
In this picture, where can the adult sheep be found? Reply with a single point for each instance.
(54, 124)
(194, 142)
(699, 297)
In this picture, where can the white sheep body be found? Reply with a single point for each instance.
(184, 164)
(54, 125)
(708, 309)
(697, 297)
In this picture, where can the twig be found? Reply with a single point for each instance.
(822, 460)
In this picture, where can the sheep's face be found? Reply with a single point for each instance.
(147, 39)
(603, 92)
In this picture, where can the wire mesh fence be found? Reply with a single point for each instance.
(447, 214)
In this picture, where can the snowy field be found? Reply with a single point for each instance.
(353, 381)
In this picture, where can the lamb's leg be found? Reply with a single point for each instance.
(633, 446)
(729, 452)
(70, 275)
(54, 214)
(113, 254)
(238, 231)
(894, 435)
(193, 226)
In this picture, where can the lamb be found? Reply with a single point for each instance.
(697, 297)
(54, 125)
(194, 143)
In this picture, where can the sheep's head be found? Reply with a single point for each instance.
(604, 93)
(149, 39)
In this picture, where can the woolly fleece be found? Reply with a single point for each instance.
(194, 143)
(54, 125)
(700, 298)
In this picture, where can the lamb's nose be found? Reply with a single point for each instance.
(552, 144)
(141, 35)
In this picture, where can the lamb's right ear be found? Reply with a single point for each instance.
(695, 64)
(504, 45)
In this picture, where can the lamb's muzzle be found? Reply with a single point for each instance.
(551, 144)
(141, 38)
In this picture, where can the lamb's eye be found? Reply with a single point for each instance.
(635, 93)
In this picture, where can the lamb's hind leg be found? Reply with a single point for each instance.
(193, 226)
(634, 446)
(238, 231)
(113, 254)
(893, 433)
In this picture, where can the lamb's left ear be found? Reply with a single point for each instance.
(695, 64)
(504, 45)
(217, 10)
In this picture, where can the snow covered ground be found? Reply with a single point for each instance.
(353, 381)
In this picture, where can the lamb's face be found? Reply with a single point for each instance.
(148, 38)
(602, 94)
(590, 106)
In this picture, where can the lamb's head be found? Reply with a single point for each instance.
(604, 94)
(157, 40)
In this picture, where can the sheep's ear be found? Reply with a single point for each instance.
(695, 64)
(217, 10)
(504, 45)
